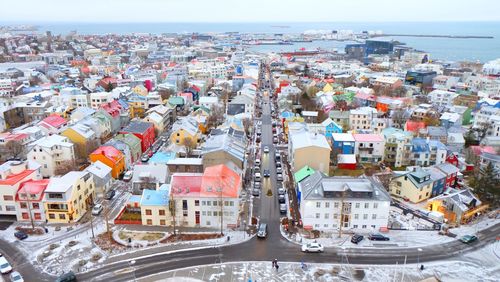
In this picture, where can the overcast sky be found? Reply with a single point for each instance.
(248, 10)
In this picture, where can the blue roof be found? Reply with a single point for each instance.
(134, 199)
(155, 197)
(421, 145)
(287, 114)
(162, 157)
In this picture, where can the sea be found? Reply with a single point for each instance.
(447, 49)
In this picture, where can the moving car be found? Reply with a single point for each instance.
(5, 266)
(378, 237)
(282, 208)
(266, 149)
(267, 173)
(262, 232)
(128, 176)
(110, 194)
(20, 235)
(97, 209)
(67, 277)
(356, 238)
(467, 239)
(16, 277)
(312, 248)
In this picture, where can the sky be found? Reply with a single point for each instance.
(33, 11)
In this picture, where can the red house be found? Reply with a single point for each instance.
(346, 161)
(451, 172)
(452, 159)
(144, 131)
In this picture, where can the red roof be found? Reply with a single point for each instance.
(186, 184)
(13, 136)
(478, 150)
(368, 137)
(54, 121)
(36, 187)
(414, 126)
(15, 178)
(220, 176)
(110, 152)
(113, 108)
(365, 96)
(196, 88)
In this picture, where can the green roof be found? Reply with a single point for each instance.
(176, 101)
(303, 173)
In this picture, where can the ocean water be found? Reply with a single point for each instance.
(440, 48)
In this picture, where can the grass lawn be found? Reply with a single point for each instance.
(346, 172)
(143, 236)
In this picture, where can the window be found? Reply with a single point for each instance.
(327, 215)
(374, 216)
(8, 198)
(209, 203)
(327, 205)
(367, 205)
(203, 213)
(148, 212)
(161, 212)
(335, 216)
(38, 216)
(185, 213)
(184, 204)
(10, 208)
(25, 215)
(149, 222)
(364, 226)
(197, 203)
(357, 205)
(325, 226)
(208, 222)
(365, 216)
(317, 215)
(375, 205)
(316, 225)
(214, 203)
(318, 204)
(23, 205)
(209, 213)
(203, 203)
(52, 216)
(62, 216)
(336, 205)
(356, 216)
(162, 221)
(373, 226)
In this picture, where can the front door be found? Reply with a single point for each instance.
(197, 217)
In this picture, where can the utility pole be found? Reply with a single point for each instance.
(106, 215)
(221, 204)
(172, 208)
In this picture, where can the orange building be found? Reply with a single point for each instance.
(111, 157)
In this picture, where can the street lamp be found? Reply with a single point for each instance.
(418, 256)
(131, 264)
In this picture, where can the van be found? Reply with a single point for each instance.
(262, 232)
(5, 266)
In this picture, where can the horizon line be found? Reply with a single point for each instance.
(249, 22)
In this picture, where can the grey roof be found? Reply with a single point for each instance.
(436, 131)
(315, 186)
(447, 168)
(157, 171)
(137, 127)
(225, 143)
(461, 198)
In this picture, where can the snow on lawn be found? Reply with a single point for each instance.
(263, 271)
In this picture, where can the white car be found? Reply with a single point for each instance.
(97, 209)
(5, 266)
(266, 149)
(312, 248)
(16, 277)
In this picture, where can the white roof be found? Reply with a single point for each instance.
(387, 79)
(98, 168)
(307, 139)
(209, 100)
(155, 117)
(185, 161)
(346, 159)
(53, 140)
(343, 137)
(64, 183)
(309, 113)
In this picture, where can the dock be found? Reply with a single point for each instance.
(437, 36)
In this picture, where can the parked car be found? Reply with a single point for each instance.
(279, 170)
(5, 266)
(16, 277)
(164, 139)
(262, 231)
(281, 199)
(144, 158)
(279, 177)
(128, 176)
(20, 235)
(110, 194)
(255, 192)
(278, 164)
(312, 248)
(378, 237)
(356, 238)
(256, 168)
(67, 277)
(256, 185)
(267, 173)
(266, 149)
(275, 140)
(257, 177)
(281, 191)
(97, 209)
(467, 239)
(282, 208)
(257, 161)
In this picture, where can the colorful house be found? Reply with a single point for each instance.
(111, 157)
(83, 137)
(69, 197)
(310, 149)
(343, 143)
(346, 161)
(331, 127)
(414, 186)
(134, 144)
(33, 204)
(438, 180)
(155, 206)
(185, 128)
(451, 173)
(458, 206)
(52, 124)
(369, 147)
(144, 131)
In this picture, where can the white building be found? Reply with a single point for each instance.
(52, 151)
(361, 119)
(6, 87)
(369, 147)
(442, 98)
(100, 98)
(357, 204)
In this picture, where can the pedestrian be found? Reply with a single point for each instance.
(274, 263)
(277, 267)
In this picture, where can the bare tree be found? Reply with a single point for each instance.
(189, 144)
(64, 167)
(166, 93)
(14, 148)
(247, 126)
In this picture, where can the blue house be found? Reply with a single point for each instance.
(343, 143)
(439, 181)
(331, 127)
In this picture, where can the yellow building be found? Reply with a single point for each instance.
(328, 88)
(83, 137)
(414, 186)
(185, 128)
(69, 197)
